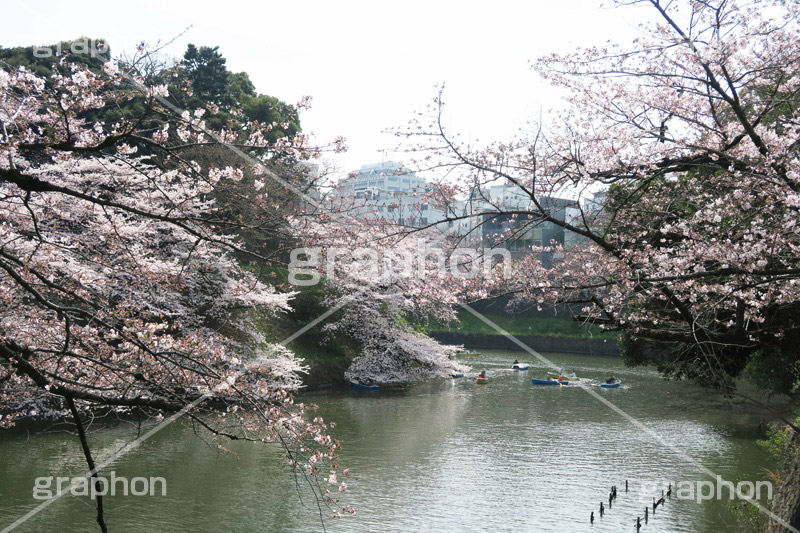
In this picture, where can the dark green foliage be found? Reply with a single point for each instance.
(267, 110)
(779, 443)
(202, 71)
(209, 77)
(774, 368)
(240, 85)
(44, 60)
(521, 325)
(328, 354)
(634, 350)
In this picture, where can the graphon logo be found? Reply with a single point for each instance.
(381, 265)
(91, 47)
(45, 489)
(719, 489)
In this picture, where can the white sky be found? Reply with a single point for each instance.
(369, 65)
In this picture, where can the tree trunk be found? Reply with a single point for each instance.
(101, 521)
(787, 496)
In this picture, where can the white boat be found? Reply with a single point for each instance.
(520, 366)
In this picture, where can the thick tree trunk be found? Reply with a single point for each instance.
(787, 496)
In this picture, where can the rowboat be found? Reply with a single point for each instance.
(457, 375)
(610, 385)
(553, 375)
(357, 385)
(550, 382)
(482, 380)
(520, 366)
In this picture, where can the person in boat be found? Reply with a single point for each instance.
(611, 380)
(514, 363)
(482, 375)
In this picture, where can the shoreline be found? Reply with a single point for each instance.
(574, 345)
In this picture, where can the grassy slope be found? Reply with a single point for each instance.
(544, 327)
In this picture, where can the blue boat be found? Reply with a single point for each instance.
(357, 385)
(549, 382)
(456, 376)
(610, 385)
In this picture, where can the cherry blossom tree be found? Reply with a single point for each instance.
(380, 278)
(680, 151)
(120, 286)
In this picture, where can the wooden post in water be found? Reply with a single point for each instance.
(645, 514)
(591, 518)
(610, 499)
(669, 491)
(638, 523)
(626, 485)
(654, 506)
(602, 509)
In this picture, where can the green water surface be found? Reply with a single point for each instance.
(446, 455)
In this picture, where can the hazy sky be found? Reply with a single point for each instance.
(369, 65)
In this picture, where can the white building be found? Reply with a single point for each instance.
(387, 176)
(389, 191)
(394, 193)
